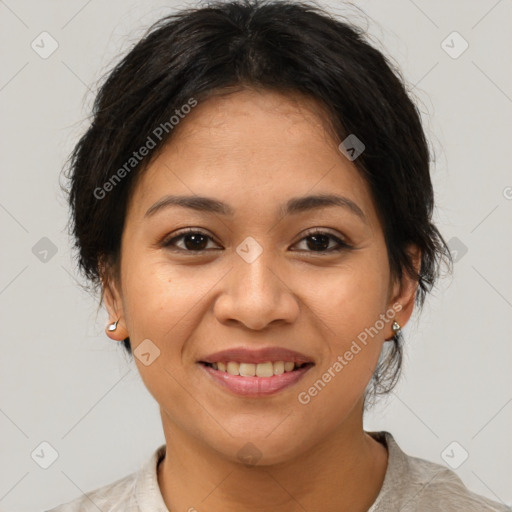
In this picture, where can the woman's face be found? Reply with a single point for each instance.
(254, 276)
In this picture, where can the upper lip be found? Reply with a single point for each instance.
(255, 356)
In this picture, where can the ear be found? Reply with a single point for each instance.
(403, 293)
(112, 298)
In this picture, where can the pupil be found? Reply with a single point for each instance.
(197, 241)
(320, 242)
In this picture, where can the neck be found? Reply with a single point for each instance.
(344, 472)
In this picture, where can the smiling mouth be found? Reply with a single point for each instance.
(256, 379)
(266, 369)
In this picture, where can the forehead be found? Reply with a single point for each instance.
(242, 120)
(253, 148)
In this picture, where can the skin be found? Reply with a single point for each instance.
(254, 150)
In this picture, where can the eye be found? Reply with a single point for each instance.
(193, 241)
(319, 241)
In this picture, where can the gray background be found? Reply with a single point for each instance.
(64, 382)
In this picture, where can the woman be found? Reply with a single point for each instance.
(253, 197)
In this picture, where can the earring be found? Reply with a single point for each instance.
(113, 326)
(396, 330)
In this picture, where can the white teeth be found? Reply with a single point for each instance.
(233, 368)
(247, 369)
(266, 369)
(288, 367)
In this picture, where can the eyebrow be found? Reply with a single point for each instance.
(295, 205)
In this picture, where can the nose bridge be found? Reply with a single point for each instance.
(254, 272)
(258, 276)
(256, 295)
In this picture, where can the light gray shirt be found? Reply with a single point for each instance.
(410, 484)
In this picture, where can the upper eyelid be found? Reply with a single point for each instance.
(322, 231)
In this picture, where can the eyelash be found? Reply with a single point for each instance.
(169, 243)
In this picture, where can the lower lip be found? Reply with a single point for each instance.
(256, 386)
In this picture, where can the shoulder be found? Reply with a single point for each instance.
(135, 492)
(440, 488)
(115, 496)
(414, 484)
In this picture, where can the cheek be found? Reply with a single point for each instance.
(158, 298)
(350, 310)
(162, 306)
(349, 302)
(350, 297)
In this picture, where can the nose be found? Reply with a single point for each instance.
(255, 296)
